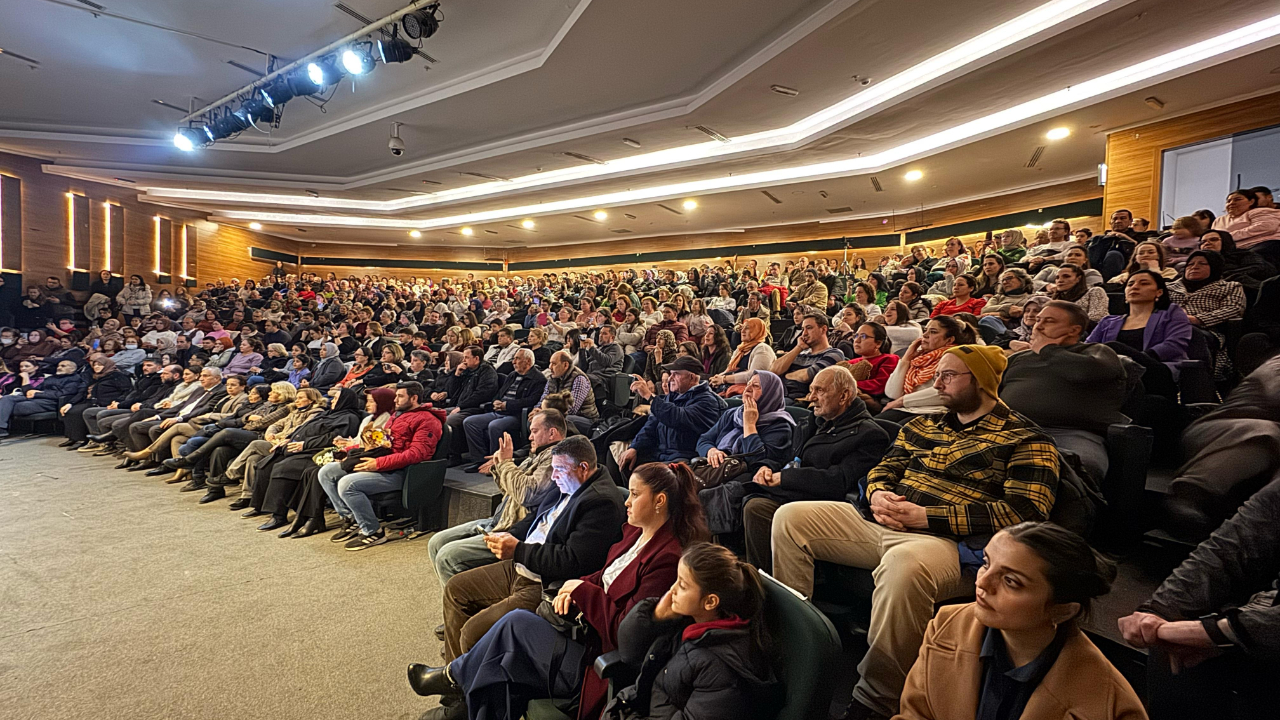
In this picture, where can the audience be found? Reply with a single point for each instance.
(1209, 303)
(521, 390)
(1155, 333)
(812, 352)
(677, 417)
(911, 386)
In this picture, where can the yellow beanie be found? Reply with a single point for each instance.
(986, 362)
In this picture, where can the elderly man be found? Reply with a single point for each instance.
(462, 547)
(415, 429)
(812, 352)
(677, 418)
(520, 391)
(847, 443)
(143, 435)
(1071, 389)
(564, 376)
(503, 351)
(566, 534)
(969, 472)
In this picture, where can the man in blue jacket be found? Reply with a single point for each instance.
(677, 419)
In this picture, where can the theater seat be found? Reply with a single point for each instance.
(45, 423)
(421, 500)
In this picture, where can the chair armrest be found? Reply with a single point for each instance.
(609, 665)
(423, 484)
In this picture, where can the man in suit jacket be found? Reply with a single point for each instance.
(142, 437)
(566, 534)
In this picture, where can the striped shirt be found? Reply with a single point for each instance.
(997, 471)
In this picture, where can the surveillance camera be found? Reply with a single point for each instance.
(395, 144)
(865, 81)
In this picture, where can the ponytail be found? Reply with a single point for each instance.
(718, 571)
(685, 514)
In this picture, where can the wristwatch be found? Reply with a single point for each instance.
(1210, 625)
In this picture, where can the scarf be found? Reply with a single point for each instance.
(1216, 263)
(921, 369)
(108, 365)
(757, 329)
(770, 405)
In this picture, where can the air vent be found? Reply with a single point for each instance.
(125, 180)
(875, 183)
(840, 210)
(784, 90)
(492, 232)
(93, 5)
(1035, 157)
(710, 133)
(771, 196)
(588, 219)
(620, 231)
(484, 176)
(584, 158)
(670, 209)
(629, 216)
(495, 255)
(632, 143)
(431, 182)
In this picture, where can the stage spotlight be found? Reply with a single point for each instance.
(394, 50)
(300, 85)
(189, 138)
(324, 72)
(277, 92)
(226, 125)
(357, 60)
(255, 111)
(421, 24)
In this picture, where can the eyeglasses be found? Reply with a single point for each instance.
(946, 376)
(861, 336)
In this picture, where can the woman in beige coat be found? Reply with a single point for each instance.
(1017, 652)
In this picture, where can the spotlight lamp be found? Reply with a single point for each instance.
(277, 92)
(255, 111)
(190, 138)
(357, 60)
(324, 71)
(421, 24)
(394, 49)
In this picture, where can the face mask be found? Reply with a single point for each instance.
(131, 346)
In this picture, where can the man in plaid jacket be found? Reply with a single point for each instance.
(971, 471)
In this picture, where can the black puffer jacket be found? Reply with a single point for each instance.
(716, 675)
(473, 388)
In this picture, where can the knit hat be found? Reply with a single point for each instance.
(986, 362)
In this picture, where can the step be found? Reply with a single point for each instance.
(470, 496)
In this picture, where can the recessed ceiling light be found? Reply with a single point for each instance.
(600, 215)
(1058, 133)
(690, 204)
(255, 226)
(527, 224)
(914, 175)
(415, 234)
(468, 231)
(784, 90)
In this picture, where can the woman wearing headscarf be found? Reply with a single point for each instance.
(1006, 305)
(664, 351)
(1210, 302)
(328, 371)
(303, 492)
(1243, 266)
(224, 350)
(753, 353)
(106, 385)
(283, 467)
(110, 330)
(39, 346)
(758, 432)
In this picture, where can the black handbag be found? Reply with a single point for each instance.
(710, 477)
(573, 626)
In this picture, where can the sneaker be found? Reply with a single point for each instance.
(91, 447)
(366, 541)
(347, 531)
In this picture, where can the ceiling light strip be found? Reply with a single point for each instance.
(1111, 83)
(1052, 16)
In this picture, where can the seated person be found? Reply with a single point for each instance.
(65, 387)
(462, 547)
(415, 430)
(752, 354)
(145, 434)
(472, 385)
(962, 299)
(757, 432)
(1210, 303)
(787, 339)
(872, 364)
(910, 386)
(798, 366)
(677, 418)
(1072, 389)
(520, 391)
(1155, 333)
(701, 651)
(564, 376)
(1214, 624)
(503, 351)
(972, 471)
(1018, 650)
(600, 359)
(566, 535)
(809, 291)
(847, 443)
(1003, 309)
(1230, 452)
(663, 517)
(754, 308)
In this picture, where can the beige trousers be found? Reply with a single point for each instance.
(912, 572)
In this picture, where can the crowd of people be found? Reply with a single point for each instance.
(932, 420)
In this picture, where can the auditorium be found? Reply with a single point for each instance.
(615, 360)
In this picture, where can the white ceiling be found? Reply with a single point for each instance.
(519, 82)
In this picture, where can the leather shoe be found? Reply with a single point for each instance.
(105, 450)
(77, 445)
(426, 680)
(102, 437)
(126, 464)
(176, 463)
(156, 471)
(67, 443)
(213, 494)
(314, 526)
(440, 632)
(275, 523)
(148, 465)
(221, 481)
(237, 504)
(253, 512)
(192, 486)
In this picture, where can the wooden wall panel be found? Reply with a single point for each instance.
(10, 223)
(109, 252)
(43, 203)
(1134, 155)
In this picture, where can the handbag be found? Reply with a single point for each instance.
(709, 477)
(573, 626)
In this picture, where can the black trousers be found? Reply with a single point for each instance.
(1230, 686)
(236, 438)
(1158, 378)
(280, 485)
(73, 425)
(757, 529)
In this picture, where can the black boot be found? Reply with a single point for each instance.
(314, 526)
(426, 680)
(102, 437)
(126, 465)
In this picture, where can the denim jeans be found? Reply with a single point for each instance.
(485, 430)
(349, 493)
(460, 548)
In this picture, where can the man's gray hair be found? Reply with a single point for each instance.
(216, 372)
(525, 353)
(841, 378)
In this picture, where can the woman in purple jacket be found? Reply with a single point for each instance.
(1155, 332)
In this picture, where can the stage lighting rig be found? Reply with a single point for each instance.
(421, 24)
(358, 59)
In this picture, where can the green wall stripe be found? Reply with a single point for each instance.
(405, 264)
(258, 253)
(1026, 217)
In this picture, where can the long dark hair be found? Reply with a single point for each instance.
(1076, 292)
(1075, 571)
(717, 570)
(960, 332)
(880, 334)
(1164, 301)
(677, 482)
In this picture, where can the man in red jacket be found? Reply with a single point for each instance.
(414, 430)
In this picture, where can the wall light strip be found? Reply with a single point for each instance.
(1189, 58)
(157, 245)
(1055, 16)
(71, 231)
(183, 273)
(107, 226)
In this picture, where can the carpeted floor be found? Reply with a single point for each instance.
(120, 597)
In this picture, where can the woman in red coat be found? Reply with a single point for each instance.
(523, 657)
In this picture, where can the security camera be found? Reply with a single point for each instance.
(865, 81)
(395, 144)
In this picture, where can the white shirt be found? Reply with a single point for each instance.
(538, 533)
(616, 567)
